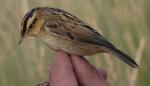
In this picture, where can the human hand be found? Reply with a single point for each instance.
(72, 70)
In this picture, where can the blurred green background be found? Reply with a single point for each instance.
(126, 23)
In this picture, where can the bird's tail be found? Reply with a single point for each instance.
(125, 58)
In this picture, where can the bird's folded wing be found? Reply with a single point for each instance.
(78, 32)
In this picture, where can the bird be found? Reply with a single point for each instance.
(61, 30)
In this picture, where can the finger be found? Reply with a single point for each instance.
(102, 74)
(86, 74)
(61, 73)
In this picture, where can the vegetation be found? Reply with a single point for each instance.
(126, 23)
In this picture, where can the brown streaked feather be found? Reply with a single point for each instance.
(80, 33)
(85, 35)
(25, 20)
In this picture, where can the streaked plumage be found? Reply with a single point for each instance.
(61, 30)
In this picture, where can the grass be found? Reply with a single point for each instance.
(124, 22)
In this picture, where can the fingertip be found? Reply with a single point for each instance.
(61, 58)
(61, 72)
(60, 54)
(87, 74)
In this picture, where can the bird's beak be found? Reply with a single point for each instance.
(20, 40)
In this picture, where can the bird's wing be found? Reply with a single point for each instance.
(85, 34)
(79, 32)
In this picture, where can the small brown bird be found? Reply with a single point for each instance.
(61, 30)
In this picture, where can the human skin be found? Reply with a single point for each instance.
(72, 70)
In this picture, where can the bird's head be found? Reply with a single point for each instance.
(32, 23)
(36, 19)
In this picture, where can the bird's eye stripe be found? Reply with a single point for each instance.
(31, 25)
(25, 19)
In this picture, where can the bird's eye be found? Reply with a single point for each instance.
(31, 26)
